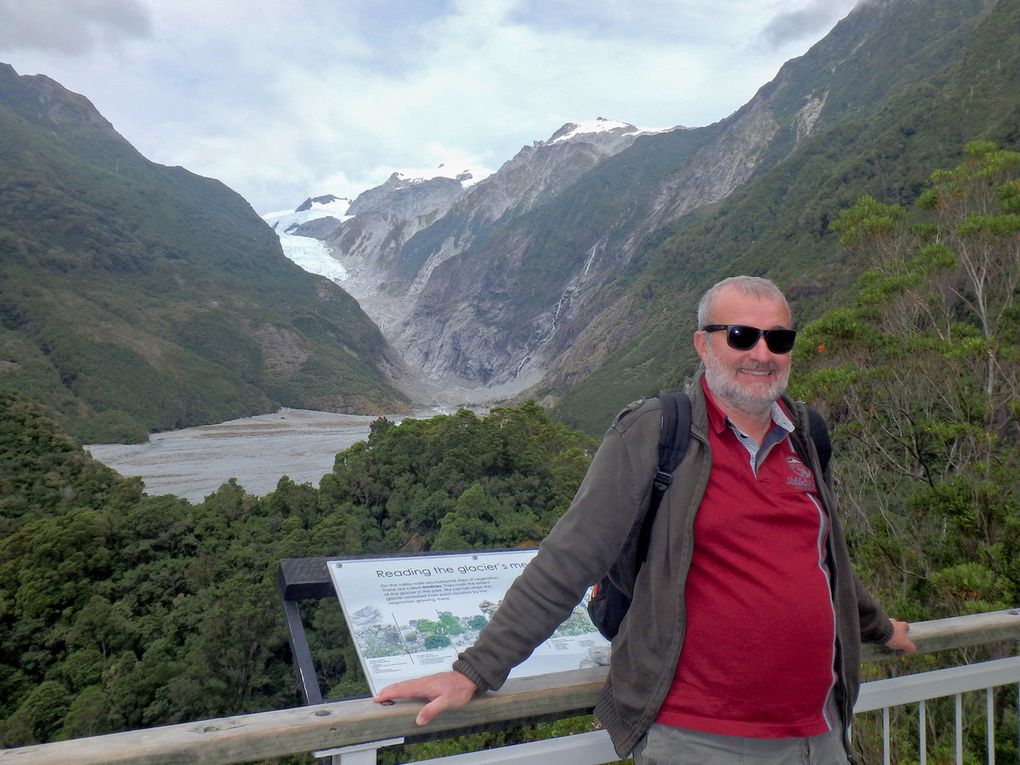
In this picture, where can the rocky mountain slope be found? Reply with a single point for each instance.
(882, 140)
(397, 234)
(526, 278)
(135, 296)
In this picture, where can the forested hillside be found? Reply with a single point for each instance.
(779, 223)
(136, 297)
(919, 374)
(119, 610)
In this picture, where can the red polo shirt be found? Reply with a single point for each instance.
(759, 644)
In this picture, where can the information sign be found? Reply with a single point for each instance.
(411, 616)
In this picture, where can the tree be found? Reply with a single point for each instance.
(920, 377)
(920, 380)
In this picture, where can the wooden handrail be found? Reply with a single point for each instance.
(263, 735)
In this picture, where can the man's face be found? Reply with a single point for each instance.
(746, 380)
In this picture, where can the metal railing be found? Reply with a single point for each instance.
(884, 695)
(351, 731)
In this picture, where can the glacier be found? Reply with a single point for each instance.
(310, 254)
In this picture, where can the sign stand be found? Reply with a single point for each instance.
(303, 579)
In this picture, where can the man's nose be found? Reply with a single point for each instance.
(760, 351)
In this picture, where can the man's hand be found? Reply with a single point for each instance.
(444, 690)
(899, 640)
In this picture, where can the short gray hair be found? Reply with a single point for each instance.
(755, 286)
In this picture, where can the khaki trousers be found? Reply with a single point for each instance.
(664, 745)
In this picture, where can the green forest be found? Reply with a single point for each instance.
(120, 610)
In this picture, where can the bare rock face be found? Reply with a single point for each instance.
(368, 242)
(385, 217)
(535, 175)
(512, 280)
(723, 165)
(284, 350)
(402, 233)
(506, 305)
(319, 228)
(323, 200)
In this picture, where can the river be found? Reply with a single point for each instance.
(193, 462)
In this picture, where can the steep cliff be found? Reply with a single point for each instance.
(960, 82)
(508, 308)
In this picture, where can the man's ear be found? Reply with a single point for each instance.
(701, 343)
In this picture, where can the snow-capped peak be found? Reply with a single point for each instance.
(588, 127)
(312, 208)
(468, 174)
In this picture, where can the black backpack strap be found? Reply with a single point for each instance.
(674, 436)
(820, 435)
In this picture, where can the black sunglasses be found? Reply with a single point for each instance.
(740, 337)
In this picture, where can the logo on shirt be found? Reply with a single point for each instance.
(800, 476)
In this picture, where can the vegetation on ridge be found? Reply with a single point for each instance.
(119, 610)
(779, 224)
(136, 297)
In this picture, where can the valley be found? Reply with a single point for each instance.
(257, 451)
(569, 275)
(875, 178)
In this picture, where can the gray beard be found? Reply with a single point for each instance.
(724, 387)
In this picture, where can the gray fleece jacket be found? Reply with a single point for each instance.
(586, 541)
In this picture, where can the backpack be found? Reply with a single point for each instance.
(608, 603)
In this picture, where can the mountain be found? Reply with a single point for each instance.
(379, 222)
(397, 234)
(536, 174)
(548, 274)
(528, 282)
(135, 296)
(955, 73)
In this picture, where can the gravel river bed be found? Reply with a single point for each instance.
(194, 462)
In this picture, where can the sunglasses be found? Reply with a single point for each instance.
(743, 338)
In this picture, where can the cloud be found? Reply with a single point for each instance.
(70, 27)
(282, 100)
(806, 22)
(674, 22)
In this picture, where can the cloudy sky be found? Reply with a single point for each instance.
(281, 99)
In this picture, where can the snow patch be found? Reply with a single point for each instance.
(597, 125)
(283, 221)
(468, 175)
(310, 254)
(574, 130)
(313, 256)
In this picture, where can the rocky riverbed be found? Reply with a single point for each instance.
(193, 462)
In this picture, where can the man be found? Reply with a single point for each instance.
(742, 642)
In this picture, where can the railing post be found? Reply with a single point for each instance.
(359, 754)
(959, 728)
(886, 746)
(990, 725)
(922, 725)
